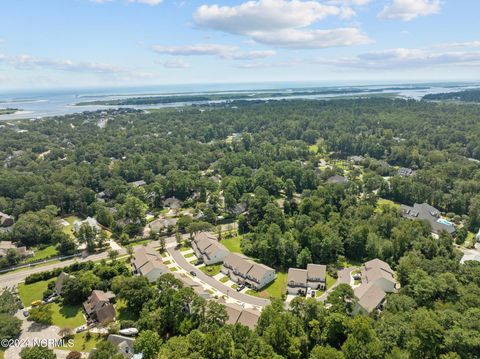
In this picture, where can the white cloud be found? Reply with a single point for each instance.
(283, 23)
(401, 58)
(263, 15)
(349, 2)
(223, 51)
(407, 10)
(312, 39)
(465, 44)
(174, 64)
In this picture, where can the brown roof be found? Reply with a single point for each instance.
(258, 271)
(146, 259)
(106, 313)
(234, 311)
(249, 317)
(238, 262)
(317, 271)
(96, 302)
(370, 296)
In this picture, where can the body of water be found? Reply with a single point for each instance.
(60, 102)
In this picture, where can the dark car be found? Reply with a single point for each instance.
(193, 273)
(26, 313)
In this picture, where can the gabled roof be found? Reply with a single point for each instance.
(238, 262)
(377, 269)
(427, 213)
(337, 179)
(61, 280)
(146, 259)
(317, 271)
(369, 295)
(237, 314)
(297, 276)
(258, 271)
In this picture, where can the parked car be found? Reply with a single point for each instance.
(357, 276)
(36, 303)
(81, 329)
(313, 293)
(193, 273)
(26, 313)
(240, 287)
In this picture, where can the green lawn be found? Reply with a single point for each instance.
(185, 248)
(188, 255)
(167, 262)
(330, 281)
(211, 270)
(224, 279)
(69, 229)
(233, 244)
(31, 292)
(81, 344)
(40, 254)
(275, 289)
(313, 148)
(173, 269)
(122, 312)
(385, 202)
(67, 316)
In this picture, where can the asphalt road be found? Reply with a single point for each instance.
(12, 279)
(182, 262)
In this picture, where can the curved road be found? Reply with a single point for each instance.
(245, 298)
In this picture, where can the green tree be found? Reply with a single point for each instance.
(42, 314)
(148, 343)
(37, 352)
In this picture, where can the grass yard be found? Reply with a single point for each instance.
(167, 262)
(188, 255)
(313, 148)
(276, 289)
(211, 270)
(224, 279)
(122, 312)
(330, 281)
(185, 248)
(70, 316)
(31, 292)
(233, 244)
(83, 344)
(173, 269)
(385, 202)
(69, 229)
(40, 254)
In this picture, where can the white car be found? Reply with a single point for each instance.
(81, 329)
(128, 331)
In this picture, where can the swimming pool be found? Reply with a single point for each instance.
(445, 222)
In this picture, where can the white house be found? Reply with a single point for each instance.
(244, 271)
(147, 262)
(207, 248)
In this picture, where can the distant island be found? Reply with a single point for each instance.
(8, 111)
(465, 96)
(206, 97)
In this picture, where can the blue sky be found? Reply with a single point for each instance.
(79, 43)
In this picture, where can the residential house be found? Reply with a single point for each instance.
(147, 261)
(429, 214)
(124, 345)
(405, 172)
(356, 159)
(159, 225)
(5, 246)
(140, 183)
(336, 179)
(300, 280)
(90, 221)
(207, 248)
(60, 281)
(189, 282)
(6, 220)
(477, 236)
(378, 272)
(172, 203)
(239, 315)
(99, 306)
(244, 271)
(370, 297)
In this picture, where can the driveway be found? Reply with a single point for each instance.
(31, 331)
(184, 264)
(344, 276)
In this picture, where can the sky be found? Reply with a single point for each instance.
(98, 43)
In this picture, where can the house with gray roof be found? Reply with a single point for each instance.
(337, 179)
(147, 261)
(239, 315)
(405, 172)
(370, 298)
(140, 183)
(301, 280)
(207, 248)
(244, 271)
(22, 251)
(90, 221)
(429, 214)
(60, 281)
(379, 272)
